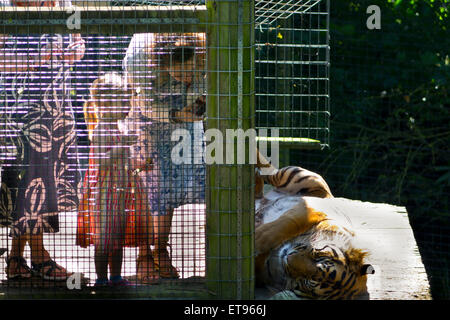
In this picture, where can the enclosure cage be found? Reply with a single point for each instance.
(291, 70)
(292, 61)
(71, 116)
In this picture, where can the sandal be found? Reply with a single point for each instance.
(151, 275)
(20, 263)
(118, 281)
(164, 265)
(101, 283)
(39, 270)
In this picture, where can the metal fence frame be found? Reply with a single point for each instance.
(229, 25)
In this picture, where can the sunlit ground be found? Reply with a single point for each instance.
(187, 241)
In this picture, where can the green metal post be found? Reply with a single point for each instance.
(230, 194)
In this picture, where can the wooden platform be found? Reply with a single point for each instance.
(383, 229)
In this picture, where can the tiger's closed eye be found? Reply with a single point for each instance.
(301, 247)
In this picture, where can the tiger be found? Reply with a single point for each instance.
(303, 243)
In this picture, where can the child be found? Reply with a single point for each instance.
(113, 207)
(167, 72)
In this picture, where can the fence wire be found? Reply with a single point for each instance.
(88, 185)
(87, 122)
(292, 77)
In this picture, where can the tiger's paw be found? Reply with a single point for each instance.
(267, 237)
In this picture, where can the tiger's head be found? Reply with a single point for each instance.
(318, 269)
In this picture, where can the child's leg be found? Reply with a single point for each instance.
(115, 262)
(162, 225)
(115, 266)
(101, 266)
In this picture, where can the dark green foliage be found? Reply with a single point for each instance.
(390, 105)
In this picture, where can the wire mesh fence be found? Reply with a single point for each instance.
(389, 123)
(78, 177)
(57, 154)
(269, 11)
(88, 117)
(292, 75)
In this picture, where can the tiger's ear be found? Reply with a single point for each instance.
(367, 269)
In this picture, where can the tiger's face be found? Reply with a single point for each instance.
(314, 250)
(319, 271)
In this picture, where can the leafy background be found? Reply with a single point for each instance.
(390, 109)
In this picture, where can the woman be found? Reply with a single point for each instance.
(42, 179)
(166, 72)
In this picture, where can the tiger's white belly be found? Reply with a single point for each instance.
(273, 205)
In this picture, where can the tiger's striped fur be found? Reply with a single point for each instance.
(303, 243)
(298, 181)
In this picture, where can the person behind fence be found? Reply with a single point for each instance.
(39, 177)
(166, 71)
(113, 208)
